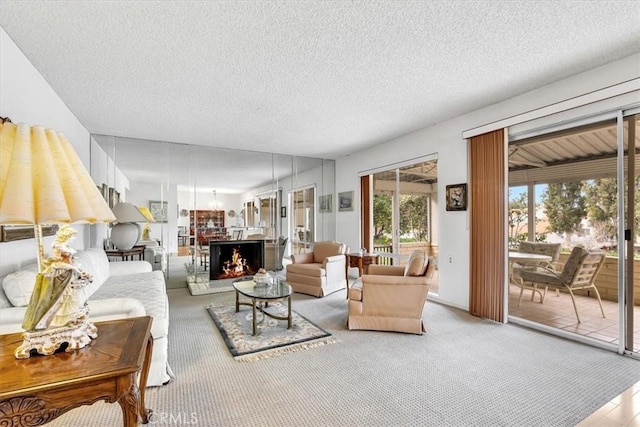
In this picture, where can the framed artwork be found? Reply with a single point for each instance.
(326, 203)
(457, 197)
(345, 201)
(114, 197)
(283, 211)
(159, 210)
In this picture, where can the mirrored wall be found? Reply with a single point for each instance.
(197, 194)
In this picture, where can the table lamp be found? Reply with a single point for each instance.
(126, 232)
(147, 214)
(43, 181)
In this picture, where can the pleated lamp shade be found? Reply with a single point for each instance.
(147, 213)
(43, 181)
(145, 229)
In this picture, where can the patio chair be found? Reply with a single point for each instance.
(542, 248)
(580, 272)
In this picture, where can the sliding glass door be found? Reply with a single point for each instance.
(629, 294)
(578, 186)
(402, 205)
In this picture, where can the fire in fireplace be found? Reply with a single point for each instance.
(235, 258)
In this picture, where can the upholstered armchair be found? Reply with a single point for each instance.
(392, 298)
(273, 251)
(154, 254)
(320, 272)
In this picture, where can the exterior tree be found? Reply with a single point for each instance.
(602, 207)
(518, 216)
(564, 205)
(381, 215)
(414, 216)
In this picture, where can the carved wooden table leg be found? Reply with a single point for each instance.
(145, 413)
(129, 400)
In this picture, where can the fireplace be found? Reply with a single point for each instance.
(231, 259)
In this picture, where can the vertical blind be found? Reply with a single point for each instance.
(487, 222)
(365, 213)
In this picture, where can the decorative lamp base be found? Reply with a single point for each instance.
(124, 235)
(47, 341)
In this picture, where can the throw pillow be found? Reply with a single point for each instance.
(18, 285)
(416, 265)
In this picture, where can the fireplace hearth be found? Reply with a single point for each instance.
(231, 259)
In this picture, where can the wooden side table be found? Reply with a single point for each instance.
(362, 261)
(127, 254)
(37, 390)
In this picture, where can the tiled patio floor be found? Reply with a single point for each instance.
(558, 312)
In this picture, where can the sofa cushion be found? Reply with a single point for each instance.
(18, 285)
(148, 288)
(416, 265)
(313, 269)
(94, 262)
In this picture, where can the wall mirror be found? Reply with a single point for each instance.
(240, 192)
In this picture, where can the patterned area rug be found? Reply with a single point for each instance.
(273, 336)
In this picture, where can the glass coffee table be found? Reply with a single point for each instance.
(260, 296)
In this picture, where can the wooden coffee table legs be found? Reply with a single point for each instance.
(256, 306)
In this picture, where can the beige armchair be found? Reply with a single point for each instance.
(154, 254)
(320, 272)
(392, 298)
(273, 251)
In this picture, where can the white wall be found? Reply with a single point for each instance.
(445, 139)
(26, 97)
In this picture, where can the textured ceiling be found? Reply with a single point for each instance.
(318, 79)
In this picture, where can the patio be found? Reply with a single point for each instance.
(557, 312)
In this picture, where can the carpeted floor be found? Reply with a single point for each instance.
(176, 271)
(463, 372)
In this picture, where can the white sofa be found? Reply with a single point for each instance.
(119, 289)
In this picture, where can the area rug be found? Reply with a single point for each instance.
(273, 336)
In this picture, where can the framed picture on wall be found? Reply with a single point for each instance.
(457, 197)
(325, 203)
(345, 201)
(159, 210)
(114, 197)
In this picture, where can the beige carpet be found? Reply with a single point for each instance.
(463, 371)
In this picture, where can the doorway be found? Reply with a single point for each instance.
(579, 186)
(402, 204)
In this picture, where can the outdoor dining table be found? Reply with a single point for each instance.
(524, 258)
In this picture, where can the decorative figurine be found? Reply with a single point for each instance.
(57, 312)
